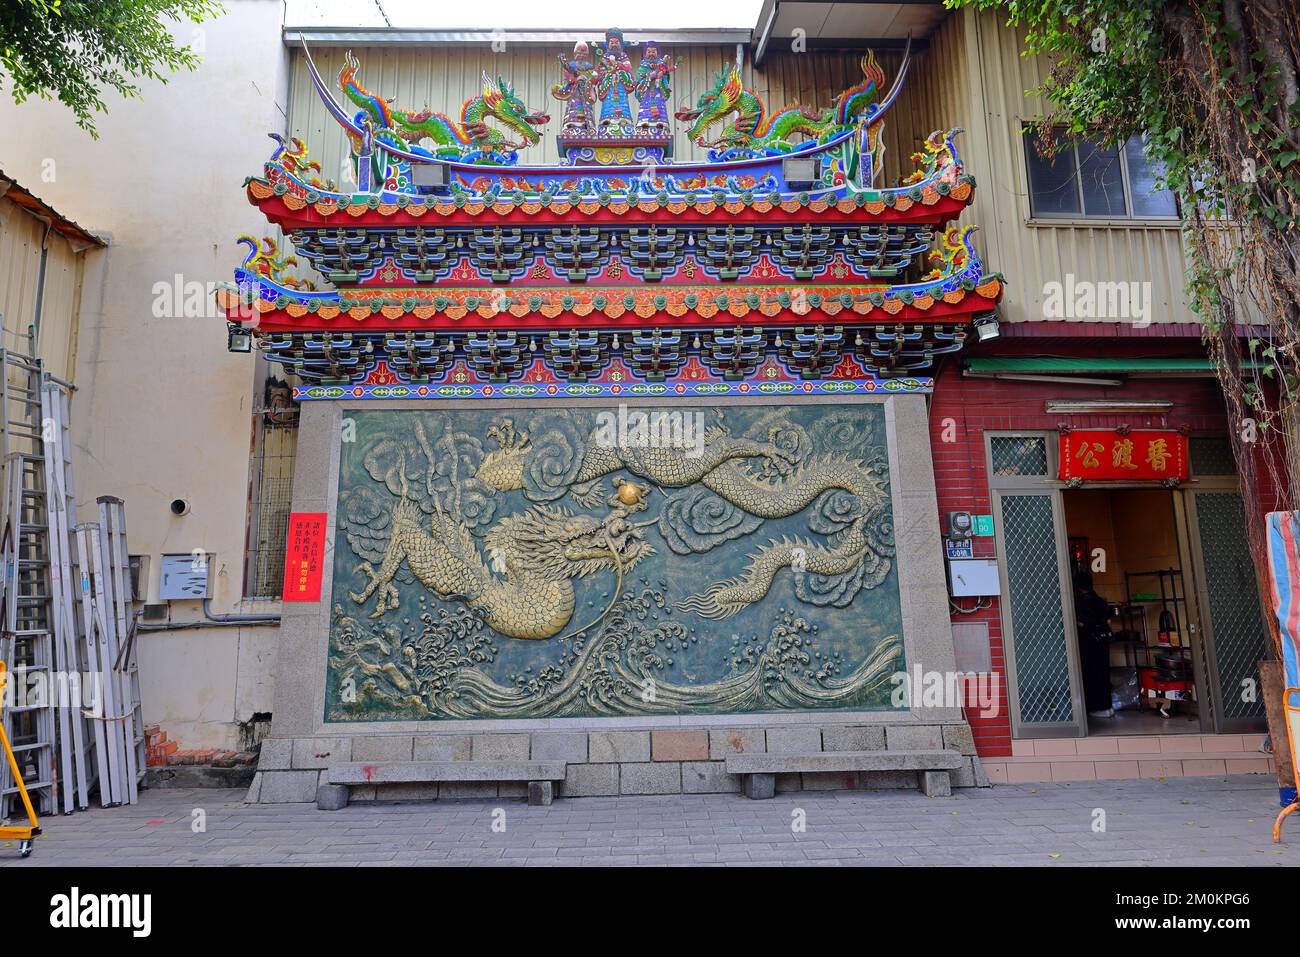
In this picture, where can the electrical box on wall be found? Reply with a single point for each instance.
(139, 566)
(970, 642)
(974, 578)
(184, 577)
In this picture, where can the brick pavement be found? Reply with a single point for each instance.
(1180, 822)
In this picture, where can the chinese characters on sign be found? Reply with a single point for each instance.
(1137, 454)
(305, 556)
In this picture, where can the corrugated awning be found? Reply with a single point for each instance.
(26, 199)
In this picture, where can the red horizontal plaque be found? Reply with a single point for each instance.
(1134, 455)
(304, 558)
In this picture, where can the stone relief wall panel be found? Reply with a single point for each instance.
(564, 562)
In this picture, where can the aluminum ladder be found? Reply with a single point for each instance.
(76, 769)
(26, 636)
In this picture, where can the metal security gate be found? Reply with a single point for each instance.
(1038, 627)
(1234, 635)
(271, 489)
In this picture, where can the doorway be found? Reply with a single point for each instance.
(1197, 532)
(1134, 617)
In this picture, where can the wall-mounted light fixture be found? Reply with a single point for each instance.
(430, 177)
(238, 339)
(987, 328)
(1099, 406)
(801, 172)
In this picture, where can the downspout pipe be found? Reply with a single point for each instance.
(40, 285)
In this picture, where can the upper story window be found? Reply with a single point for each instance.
(1087, 179)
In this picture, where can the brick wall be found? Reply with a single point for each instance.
(161, 751)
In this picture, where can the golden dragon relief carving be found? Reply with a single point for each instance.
(522, 579)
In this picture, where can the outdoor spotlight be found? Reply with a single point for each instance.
(987, 328)
(238, 339)
(430, 177)
(800, 172)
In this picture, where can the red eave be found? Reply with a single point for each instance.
(274, 209)
(485, 318)
(291, 211)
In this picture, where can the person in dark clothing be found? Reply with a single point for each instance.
(1092, 615)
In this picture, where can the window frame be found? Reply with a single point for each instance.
(1082, 217)
(262, 424)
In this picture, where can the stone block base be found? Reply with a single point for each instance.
(540, 793)
(605, 762)
(758, 787)
(331, 797)
(935, 784)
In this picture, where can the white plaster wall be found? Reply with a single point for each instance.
(162, 410)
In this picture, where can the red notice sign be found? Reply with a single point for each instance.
(304, 557)
(1111, 454)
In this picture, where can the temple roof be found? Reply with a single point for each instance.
(779, 264)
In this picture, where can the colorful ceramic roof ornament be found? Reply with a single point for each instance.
(734, 123)
(614, 84)
(493, 126)
(577, 88)
(653, 88)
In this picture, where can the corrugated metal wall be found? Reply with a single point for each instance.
(20, 260)
(60, 309)
(1030, 256)
(443, 78)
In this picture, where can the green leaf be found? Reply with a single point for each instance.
(73, 52)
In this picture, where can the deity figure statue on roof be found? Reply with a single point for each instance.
(577, 87)
(614, 84)
(653, 88)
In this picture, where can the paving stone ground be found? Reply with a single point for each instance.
(1180, 822)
